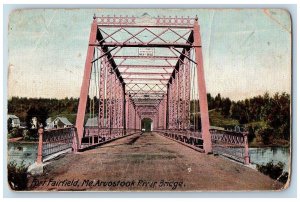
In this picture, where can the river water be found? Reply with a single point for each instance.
(27, 152)
(275, 154)
(22, 152)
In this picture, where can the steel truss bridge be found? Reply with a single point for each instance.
(139, 68)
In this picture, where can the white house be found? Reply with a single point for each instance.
(59, 122)
(217, 128)
(15, 121)
(34, 123)
(49, 123)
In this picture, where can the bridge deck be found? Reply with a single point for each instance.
(149, 157)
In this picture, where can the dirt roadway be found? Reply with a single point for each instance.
(148, 162)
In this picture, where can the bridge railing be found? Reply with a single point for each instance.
(189, 138)
(54, 141)
(231, 144)
(227, 143)
(94, 135)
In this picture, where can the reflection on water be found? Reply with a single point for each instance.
(265, 155)
(18, 152)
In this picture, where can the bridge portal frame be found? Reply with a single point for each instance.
(194, 42)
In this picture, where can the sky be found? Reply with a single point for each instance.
(246, 52)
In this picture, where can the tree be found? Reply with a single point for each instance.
(235, 111)
(218, 101)
(277, 115)
(266, 134)
(225, 108)
(210, 101)
(239, 111)
(41, 114)
(251, 133)
(255, 108)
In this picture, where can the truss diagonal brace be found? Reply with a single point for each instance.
(104, 54)
(184, 55)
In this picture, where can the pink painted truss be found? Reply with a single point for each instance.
(140, 68)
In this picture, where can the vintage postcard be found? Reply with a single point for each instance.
(149, 100)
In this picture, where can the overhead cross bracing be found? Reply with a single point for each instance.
(153, 66)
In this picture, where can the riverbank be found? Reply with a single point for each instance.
(275, 143)
(21, 140)
(16, 139)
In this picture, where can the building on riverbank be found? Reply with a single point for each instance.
(58, 122)
(15, 121)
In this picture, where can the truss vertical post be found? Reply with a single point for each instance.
(116, 116)
(175, 99)
(207, 144)
(137, 121)
(171, 105)
(160, 112)
(246, 155)
(140, 123)
(109, 100)
(114, 94)
(174, 102)
(165, 113)
(119, 113)
(85, 83)
(187, 88)
(120, 106)
(130, 113)
(102, 90)
(157, 121)
(135, 127)
(181, 104)
(105, 112)
(167, 107)
(159, 115)
(125, 111)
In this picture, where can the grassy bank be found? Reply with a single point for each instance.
(217, 119)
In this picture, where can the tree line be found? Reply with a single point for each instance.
(263, 115)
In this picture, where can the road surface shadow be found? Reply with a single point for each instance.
(133, 140)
